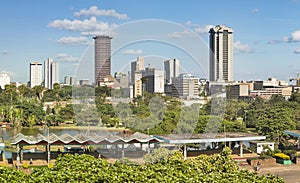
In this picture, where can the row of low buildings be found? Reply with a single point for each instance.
(264, 89)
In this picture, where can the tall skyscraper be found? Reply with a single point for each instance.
(36, 74)
(54, 73)
(136, 66)
(221, 54)
(171, 70)
(102, 58)
(51, 73)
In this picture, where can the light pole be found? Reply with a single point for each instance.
(148, 141)
(225, 134)
(48, 147)
(18, 156)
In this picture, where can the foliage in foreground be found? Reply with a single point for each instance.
(84, 168)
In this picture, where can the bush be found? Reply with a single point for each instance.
(25, 165)
(277, 151)
(160, 154)
(291, 153)
(282, 156)
(265, 156)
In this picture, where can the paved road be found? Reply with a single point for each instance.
(290, 173)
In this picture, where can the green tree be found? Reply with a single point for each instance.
(272, 121)
(38, 90)
(295, 97)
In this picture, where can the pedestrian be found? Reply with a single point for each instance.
(258, 166)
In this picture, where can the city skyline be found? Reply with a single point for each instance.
(66, 29)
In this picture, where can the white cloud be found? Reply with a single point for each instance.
(4, 52)
(241, 48)
(62, 57)
(297, 51)
(190, 24)
(180, 34)
(9, 73)
(203, 30)
(74, 40)
(295, 37)
(254, 11)
(132, 52)
(275, 41)
(82, 25)
(94, 11)
(199, 29)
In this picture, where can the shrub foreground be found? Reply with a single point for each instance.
(84, 168)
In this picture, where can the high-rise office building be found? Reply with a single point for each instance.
(154, 80)
(221, 54)
(171, 70)
(122, 79)
(51, 73)
(136, 74)
(185, 85)
(138, 84)
(70, 80)
(36, 74)
(102, 58)
(47, 73)
(54, 73)
(136, 66)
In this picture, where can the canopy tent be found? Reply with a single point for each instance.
(209, 137)
(81, 139)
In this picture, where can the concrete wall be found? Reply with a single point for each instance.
(263, 162)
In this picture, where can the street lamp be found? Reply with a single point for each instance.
(148, 141)
(48, 147)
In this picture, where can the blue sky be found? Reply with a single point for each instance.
(266, 35)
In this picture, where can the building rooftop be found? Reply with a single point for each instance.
(220, 28)
(92, 138)
(209, 137)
